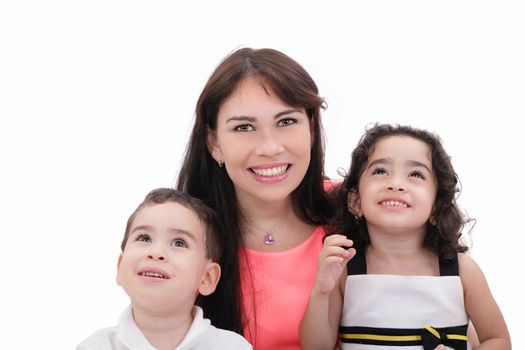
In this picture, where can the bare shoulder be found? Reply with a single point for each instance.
(472, 278)
(467, 265)
(466, 260)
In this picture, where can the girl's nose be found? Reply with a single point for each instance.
(396, 188)
(396, 185)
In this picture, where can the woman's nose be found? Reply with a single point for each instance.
(269, 144)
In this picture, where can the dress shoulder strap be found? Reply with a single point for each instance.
(357, 265)
(449, 267)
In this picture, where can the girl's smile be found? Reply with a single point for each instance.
(394, 203)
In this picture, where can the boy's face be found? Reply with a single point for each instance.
(164, 264)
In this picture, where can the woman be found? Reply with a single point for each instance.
(256, 155)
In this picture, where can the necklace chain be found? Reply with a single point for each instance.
(268, 238)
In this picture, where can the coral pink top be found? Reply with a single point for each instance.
(275, 292)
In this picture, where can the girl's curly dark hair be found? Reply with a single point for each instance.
(443, 229)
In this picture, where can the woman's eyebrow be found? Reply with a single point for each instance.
(288, 111)
(243, 118)
(247, 118)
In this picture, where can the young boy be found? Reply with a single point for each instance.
(169, 255)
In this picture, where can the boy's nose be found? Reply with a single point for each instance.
(156, 254)
(156, 257)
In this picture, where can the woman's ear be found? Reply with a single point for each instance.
(118, 269)
(213, 146)
(210, 278)
(354, 204)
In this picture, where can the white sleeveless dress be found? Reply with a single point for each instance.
(394, 312)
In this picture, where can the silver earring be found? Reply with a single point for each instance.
(220, 161)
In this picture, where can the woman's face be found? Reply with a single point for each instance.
(264, 143)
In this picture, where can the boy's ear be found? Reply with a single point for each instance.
(213, 145)
(118, 269)
(354, 203)
(210, 278)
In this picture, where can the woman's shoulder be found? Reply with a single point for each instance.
(330, 185)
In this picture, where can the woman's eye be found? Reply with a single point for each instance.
(418, 174)
(244, 127)
(379, 171)
(179, 243)
(144, 237)
(287, 121)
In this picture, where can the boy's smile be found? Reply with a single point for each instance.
(153, 274)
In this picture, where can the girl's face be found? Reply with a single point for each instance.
(264, 143)
(398, 188)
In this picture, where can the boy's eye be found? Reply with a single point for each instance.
(178, 242)
(144, 237)
(244, 128)
(417, 174)
(379, 171)
(286, 122)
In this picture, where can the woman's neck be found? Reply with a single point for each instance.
(273, 227)
(265, 214)
(163, 332)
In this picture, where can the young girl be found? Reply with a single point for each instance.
(403, 280)
(256, 156)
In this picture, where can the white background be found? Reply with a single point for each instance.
(97, 99)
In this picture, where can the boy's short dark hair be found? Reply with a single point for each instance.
(205, 214)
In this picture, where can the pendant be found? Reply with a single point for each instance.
(268, 238)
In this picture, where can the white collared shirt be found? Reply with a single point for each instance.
(127, 336)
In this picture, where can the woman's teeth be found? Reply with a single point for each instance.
(271, 171)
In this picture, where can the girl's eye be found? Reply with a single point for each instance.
(417, 173)
(287, 121)
(379, 171)
(178, 242)
(244, 128)
(144, 237)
